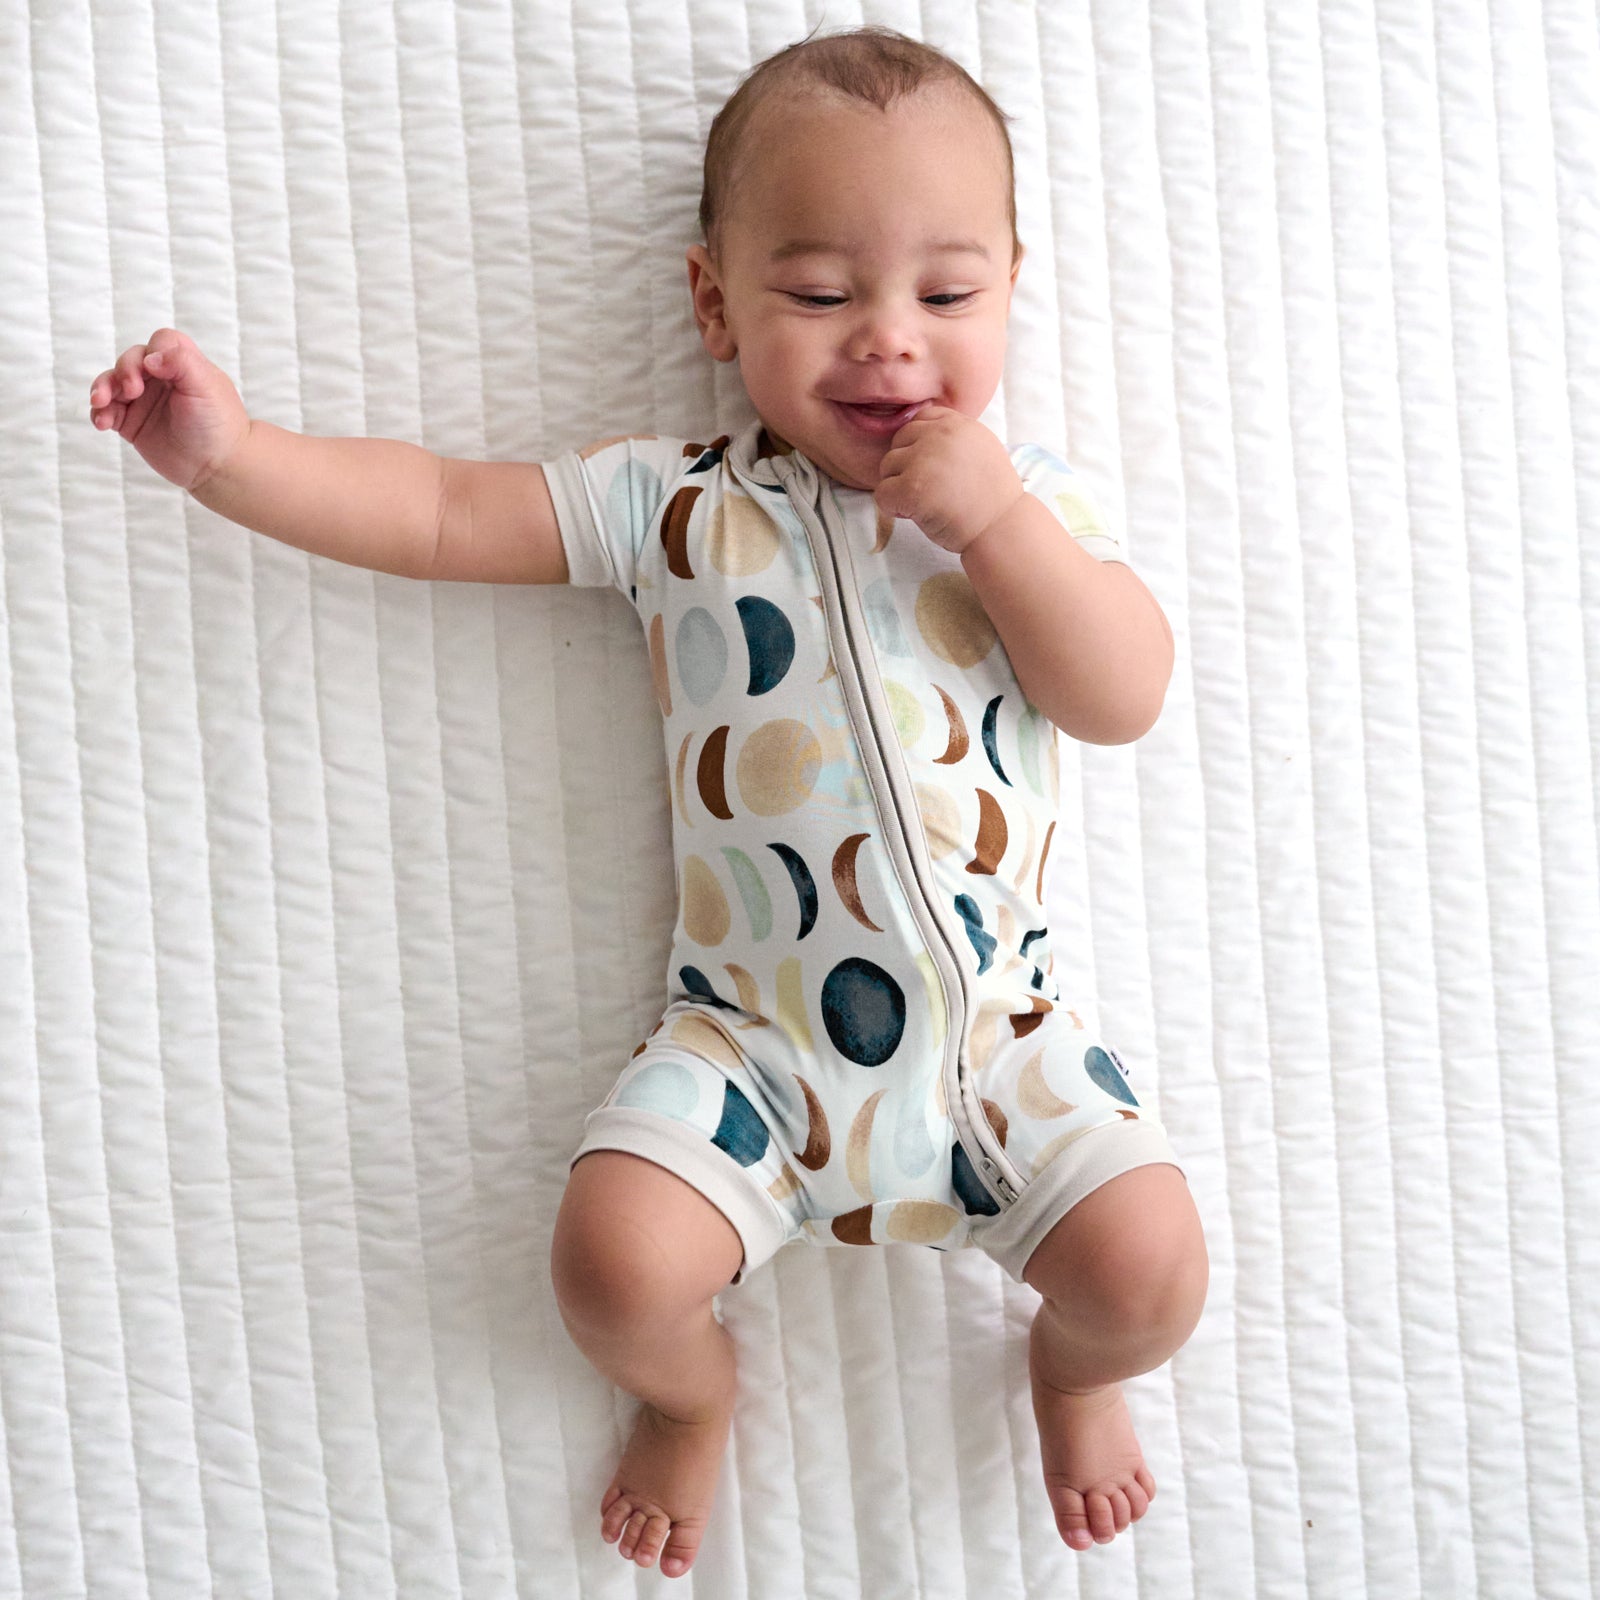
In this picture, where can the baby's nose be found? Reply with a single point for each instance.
(885, 334)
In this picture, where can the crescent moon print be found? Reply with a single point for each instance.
(982, 941)
(658, 664)
(957, 746)
(992, 835)
(991, 745)
(997, 1120)
(1022, 1024)
(1027, 855)
(805, 886)
(844, 879)
(1038, 972)
(677, 779)
(747, 880)
(819, 1143)
(749, 994)
(675, 531)
(769, 640)
(699, 985)
(709, 774)
(704, 908)
(854, 1227)
(791, 1012)
(857, 1147)
(708, 455)
(1035, 1096)
(1044, 856)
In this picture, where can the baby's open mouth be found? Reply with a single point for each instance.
(880, 418)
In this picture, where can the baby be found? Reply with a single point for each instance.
(862, 1041)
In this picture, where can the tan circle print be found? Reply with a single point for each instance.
(921, 1221)
(778, 767)
(953, 621)
(741, 538)
(706, 918)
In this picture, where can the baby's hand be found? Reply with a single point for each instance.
(176, 409)
(950, 475)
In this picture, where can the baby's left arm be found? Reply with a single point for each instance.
(1088, 642)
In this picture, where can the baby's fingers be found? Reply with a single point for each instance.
(124, 381)
(174, 359)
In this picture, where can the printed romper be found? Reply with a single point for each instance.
(863, 1042)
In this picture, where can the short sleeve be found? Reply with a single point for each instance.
(606, 496)
(1051, 480)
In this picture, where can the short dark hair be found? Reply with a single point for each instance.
(874, 64)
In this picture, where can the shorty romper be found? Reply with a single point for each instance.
(862, 1041)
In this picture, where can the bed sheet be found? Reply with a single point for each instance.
(330, 901)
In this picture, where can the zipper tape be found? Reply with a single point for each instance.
(869, 714)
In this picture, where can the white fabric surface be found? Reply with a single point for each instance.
(330, 902)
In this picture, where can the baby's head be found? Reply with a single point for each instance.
(861, 243)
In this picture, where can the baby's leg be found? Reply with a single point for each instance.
(1123, 1275)
(636, 1258)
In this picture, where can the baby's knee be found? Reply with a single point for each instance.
(606, 1269)
(1131, 1254)
(621, 1258)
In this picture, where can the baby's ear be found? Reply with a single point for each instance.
(710, 309)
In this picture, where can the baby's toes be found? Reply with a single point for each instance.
(615, 1510)
(1072, 1518)
(1108, 1514)
(1138, 1500)
(646, 1533)
(683, 1544)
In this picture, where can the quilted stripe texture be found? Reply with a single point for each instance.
(330, 902)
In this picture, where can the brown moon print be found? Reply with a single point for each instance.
(844, 879)
(992, 835)
(959, 739)
(709, 774)
(819, 1143)
(675, 531)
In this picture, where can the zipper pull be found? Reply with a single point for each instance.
(1006, 1191)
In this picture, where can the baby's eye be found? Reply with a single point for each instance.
(823, 300)
(949, 299)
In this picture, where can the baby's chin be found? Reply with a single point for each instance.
(860, 474)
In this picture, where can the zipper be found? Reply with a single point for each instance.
(867, 706)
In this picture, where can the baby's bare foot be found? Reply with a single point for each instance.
(1094, 1470)
(660, 1499)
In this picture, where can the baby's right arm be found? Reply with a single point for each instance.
(376, 503)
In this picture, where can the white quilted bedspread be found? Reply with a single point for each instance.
(330, 902)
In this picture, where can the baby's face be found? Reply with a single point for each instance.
(865, 257)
